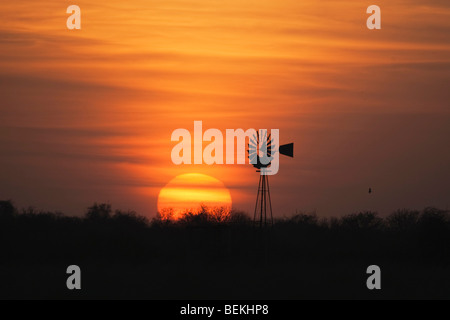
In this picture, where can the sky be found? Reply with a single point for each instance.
(87, 115)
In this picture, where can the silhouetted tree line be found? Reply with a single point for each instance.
(218, 253)
(403, 220)
(219, 234)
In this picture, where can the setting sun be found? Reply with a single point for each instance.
(189, 191)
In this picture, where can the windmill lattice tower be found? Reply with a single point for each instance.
(263, 215)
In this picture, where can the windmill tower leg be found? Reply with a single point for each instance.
(263, 202)
(263, 206)
(255, 217)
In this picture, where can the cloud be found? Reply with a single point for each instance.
(91, 112)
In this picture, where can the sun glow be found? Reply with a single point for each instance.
(187, 192)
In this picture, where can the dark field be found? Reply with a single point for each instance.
(124, 256)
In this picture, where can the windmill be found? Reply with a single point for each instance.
(260, 156)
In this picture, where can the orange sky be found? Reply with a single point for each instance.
(87, 115)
